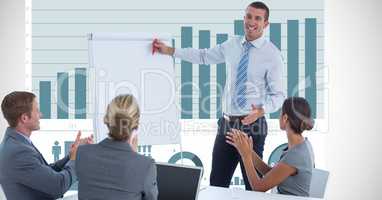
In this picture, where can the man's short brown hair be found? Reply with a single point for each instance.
(261, 5)
(15, 104)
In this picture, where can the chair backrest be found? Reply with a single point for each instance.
(274, 158)
(319, 177)
(318, 183)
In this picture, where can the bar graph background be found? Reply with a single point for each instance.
(61, 73)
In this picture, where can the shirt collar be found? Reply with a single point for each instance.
(27, 138)
(256, 43)
(108, 142)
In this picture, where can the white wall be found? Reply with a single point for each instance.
(12, 48)
(12, 44)
(354, 51)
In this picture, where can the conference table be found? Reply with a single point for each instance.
(211, 192)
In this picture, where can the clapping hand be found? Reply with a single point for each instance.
(87, 140)
(74, 147)
(79, 141)
(241, 141)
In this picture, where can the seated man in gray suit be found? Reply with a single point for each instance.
(24, 173)
(112, 169)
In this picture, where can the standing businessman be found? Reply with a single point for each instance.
(24, 173)
(253, 88)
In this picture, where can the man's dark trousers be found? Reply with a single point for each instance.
(225, 157)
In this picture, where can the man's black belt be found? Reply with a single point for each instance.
(233, 118)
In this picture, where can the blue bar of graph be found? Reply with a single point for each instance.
(173, 46)
(62, 95)
(292, 57)
(204, 79)
(80, 93)
(68, 145)
(238, 27)
(220, 77)
(311, 63)
(237, 181)
(186, 75)
(275, 34)
(45, 99)
(275, 37)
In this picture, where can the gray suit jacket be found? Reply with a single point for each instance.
(24, 173)
(112, 170)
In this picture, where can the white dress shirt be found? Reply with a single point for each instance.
(264, 84)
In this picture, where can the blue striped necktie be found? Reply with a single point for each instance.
(239, 98)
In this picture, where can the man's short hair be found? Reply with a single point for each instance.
(15, 104)
(261, 5)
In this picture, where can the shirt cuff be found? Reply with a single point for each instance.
(176, 53)
(71, 164)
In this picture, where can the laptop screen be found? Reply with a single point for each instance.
(178, 181)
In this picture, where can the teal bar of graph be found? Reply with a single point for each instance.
(292, 45)
(237, 181)
(45, 99)
(62, 95)
(238, 27)
(275, 34)
(311, 63)
(220, 77)
(186, 75)
(204, 79)
(275, 37)
(80, 93)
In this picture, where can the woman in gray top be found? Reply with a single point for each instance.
(292, 175)
(112, 169)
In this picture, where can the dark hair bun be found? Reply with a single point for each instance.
(299, 114)
(307, 124)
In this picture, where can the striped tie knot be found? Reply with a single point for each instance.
(247, 45)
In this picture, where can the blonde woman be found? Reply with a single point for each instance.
(292, 175)
(112, 169)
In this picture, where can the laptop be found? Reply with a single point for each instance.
(178, 181)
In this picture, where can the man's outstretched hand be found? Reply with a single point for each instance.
(159, 46)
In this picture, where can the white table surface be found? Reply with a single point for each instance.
(219, 193)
